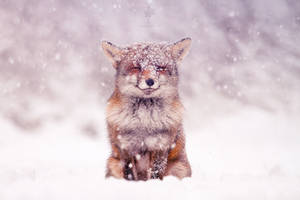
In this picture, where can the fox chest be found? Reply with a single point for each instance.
(144, 127)
(143, 116)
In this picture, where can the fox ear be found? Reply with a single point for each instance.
(181, 48)
(112, 52)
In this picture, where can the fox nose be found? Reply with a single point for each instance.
(150, 82)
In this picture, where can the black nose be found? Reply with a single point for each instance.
(150, 82)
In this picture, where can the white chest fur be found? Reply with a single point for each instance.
(144, 113)
(144, 124)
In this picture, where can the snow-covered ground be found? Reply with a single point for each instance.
(240, 86)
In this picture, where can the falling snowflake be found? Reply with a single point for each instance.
(57, 56)
(138, 156)
(173, 146)
(11, 60)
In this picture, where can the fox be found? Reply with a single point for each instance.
(144, 113)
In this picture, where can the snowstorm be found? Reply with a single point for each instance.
(239, 84)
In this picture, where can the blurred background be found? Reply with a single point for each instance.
(240, 85)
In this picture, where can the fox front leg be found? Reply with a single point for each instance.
(137, 168)
(129, 169)
(159, 164)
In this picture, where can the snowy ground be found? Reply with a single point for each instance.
(240, 86)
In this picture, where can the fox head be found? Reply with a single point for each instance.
(147, 70)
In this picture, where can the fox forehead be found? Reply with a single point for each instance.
(148, 54)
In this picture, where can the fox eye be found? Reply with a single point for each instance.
(135, 68)
(160, 68)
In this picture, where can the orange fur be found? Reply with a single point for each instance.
(114, 168)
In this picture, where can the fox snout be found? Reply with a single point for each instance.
(148, 79)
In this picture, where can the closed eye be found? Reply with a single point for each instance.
(161, 68)
(135, 69)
